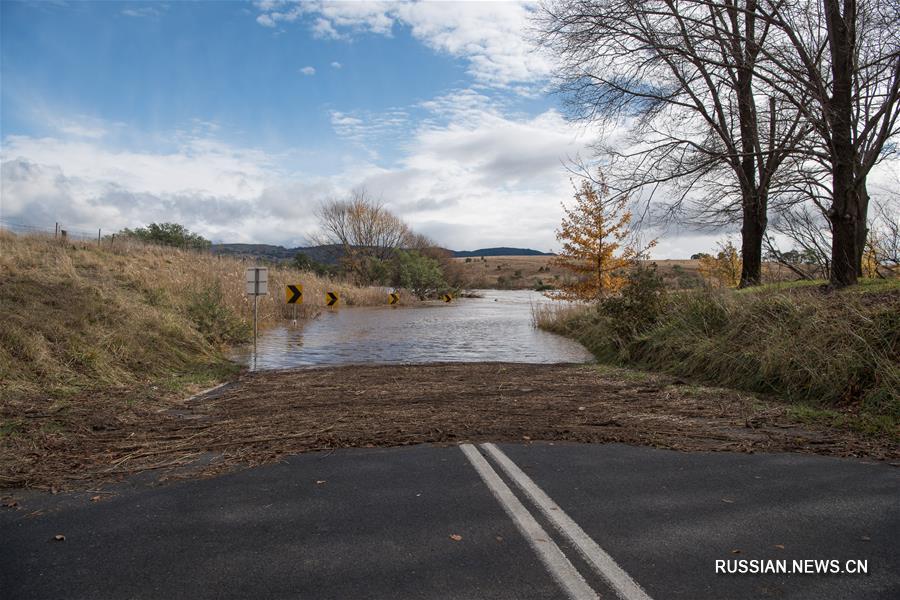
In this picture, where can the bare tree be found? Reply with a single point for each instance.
(364, 230)
(681, 76)
(809, 232)
(838, 63)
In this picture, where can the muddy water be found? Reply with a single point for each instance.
(496, 327)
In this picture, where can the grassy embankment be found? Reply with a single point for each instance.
(79, 318)
(834, 356)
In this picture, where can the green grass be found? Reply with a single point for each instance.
(864, 422)
(865, 286)
(11, 427)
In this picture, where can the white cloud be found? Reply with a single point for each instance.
(470, 174)
(308, 71)
(368, 129)
(265, 20)
(323, 29)
(480, 178)
(490, 36)
(336, 65)
(82, 130)
(224, 192)
(145, 11)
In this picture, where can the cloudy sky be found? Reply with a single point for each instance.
(238, 119)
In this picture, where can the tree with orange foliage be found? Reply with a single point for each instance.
(594, 235)
(725, 268)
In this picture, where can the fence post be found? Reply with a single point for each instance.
(98, 237)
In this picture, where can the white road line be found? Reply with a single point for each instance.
(624, 586)
(553, 558)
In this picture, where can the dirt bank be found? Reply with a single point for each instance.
(263, 416)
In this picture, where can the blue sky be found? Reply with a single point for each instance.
(238, 119)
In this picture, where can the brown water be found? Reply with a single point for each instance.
(496, 327)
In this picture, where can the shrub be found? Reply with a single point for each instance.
(724, 269)
(304, 263)
(638, 307)
(214, 319)
(168, 234)
(419, 274)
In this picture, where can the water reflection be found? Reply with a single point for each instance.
(496, 327)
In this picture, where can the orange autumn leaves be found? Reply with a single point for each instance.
(596, 246)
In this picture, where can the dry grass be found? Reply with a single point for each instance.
(527, 272)
(837, 351)
(545, 315)
(81, 316)
(512, 272)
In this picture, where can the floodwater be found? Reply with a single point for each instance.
(495, 327)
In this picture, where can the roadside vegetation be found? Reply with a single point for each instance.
(835, 356)
(833, 353)
(79, 316)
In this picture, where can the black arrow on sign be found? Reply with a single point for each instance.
(331, 298)
(295, 294)
(393, 298)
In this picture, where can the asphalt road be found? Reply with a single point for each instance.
(377, 523)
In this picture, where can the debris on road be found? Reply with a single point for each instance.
(265, 415)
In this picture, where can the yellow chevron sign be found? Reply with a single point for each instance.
(393, 298)
(331, 298)
(293, 294)
(446, 297)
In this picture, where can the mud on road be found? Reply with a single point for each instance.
(262, 416)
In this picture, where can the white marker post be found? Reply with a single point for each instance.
(257, 284)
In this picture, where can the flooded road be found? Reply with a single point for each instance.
(496, 327)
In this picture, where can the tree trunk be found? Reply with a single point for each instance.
(844, 211)
(753, 230)
(753, 226)
(862, 225)
(844, 258)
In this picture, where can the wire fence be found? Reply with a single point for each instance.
(59, 230)
(99, 237)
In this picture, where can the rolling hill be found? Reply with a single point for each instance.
(331, 254)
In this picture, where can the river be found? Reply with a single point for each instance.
(494, 327)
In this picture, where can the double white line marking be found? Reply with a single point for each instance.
(550, 554)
